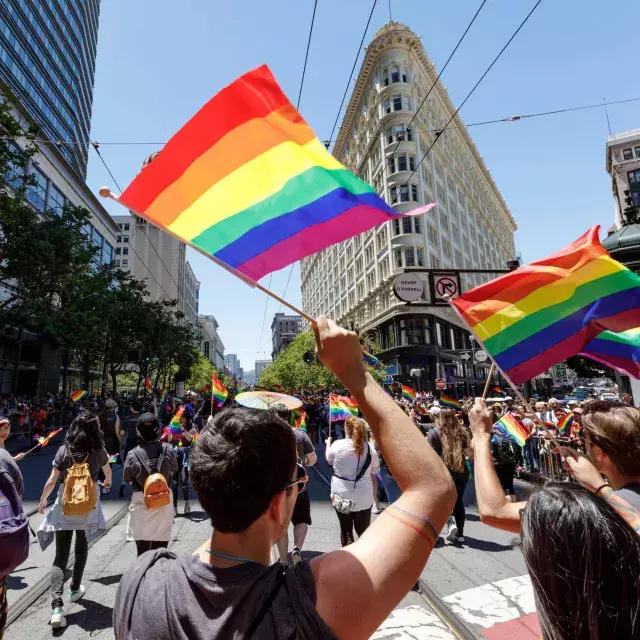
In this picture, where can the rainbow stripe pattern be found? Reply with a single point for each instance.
(76, 396)
(341, 407)
(509, 427)
(369, 359)
(218, 391)
(174, 426)
(448, 401)
(543, 313)
(620, 351)
(247, 181)
(44, 441)
(299, 419)
(163, 395)
(408, 392)
(113, 459)
(564, 423)
(497, 389)
(148, 386)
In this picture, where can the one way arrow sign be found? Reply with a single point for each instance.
(465, 355)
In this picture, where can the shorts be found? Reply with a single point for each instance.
(505, 473)
(302, 510)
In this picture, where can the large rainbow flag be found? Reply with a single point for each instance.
(543, 313)
(341, 407)
(218, 390)
(618, 350)
(408, 392)
(247, 182)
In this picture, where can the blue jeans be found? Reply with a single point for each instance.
(390, 485)
(531, 456)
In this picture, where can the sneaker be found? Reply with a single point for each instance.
(460, 539)
(377, 510)
(296, 555)
(451, 534)
(74, 596)
(58, 621)
(187, 508)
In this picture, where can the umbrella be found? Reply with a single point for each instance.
(265, 399)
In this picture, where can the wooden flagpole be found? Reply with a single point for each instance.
(105, 192)
(489, 376)
(520, 397)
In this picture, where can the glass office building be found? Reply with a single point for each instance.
(47, 59)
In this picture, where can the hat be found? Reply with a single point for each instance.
(435, 410)
(553, 402)
(110, 403)
(571, 403)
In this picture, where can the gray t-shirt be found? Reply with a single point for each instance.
(63, 460)
(136, 473)
(304, 445)
(166, 597)
(12, 469)
(631, 493)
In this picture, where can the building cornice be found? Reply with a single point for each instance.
(393, 37)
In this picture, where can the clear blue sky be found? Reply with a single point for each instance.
(160, 60)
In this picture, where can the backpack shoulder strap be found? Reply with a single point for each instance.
(266, 606)
(142, 462)
(161, 457)
(366, 464)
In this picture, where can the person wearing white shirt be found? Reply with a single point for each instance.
(353, 460)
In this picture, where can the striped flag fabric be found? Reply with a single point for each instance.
(542, 313)
(76, 396)
(341, 407)
(509, 427)
(448, 401)
(620, 351)
(247, 182)
(218, 390)
(148, 386)
(408, 392)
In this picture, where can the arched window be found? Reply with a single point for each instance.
(395, 74)
(385, 78)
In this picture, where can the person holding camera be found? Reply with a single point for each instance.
(245, 472)
(353, 460)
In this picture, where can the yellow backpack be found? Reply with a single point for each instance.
(79, 496)
(156, 489)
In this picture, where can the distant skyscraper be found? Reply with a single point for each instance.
(48, 59)
(261, 365)
(283, 330)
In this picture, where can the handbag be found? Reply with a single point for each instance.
(343, 505)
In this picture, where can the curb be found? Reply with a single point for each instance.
(44, 583)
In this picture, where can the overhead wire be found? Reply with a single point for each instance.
(477, 84)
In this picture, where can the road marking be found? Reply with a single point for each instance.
(495, 602)
(412, 623)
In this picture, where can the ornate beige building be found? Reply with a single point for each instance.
(471, 228)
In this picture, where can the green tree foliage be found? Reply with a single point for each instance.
(292, 372)
(200, 374)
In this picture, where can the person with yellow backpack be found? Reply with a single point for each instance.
(148, 468)
(77, 506)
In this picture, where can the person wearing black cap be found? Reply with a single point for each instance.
(151, 528)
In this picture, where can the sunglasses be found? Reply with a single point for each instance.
(301, 481)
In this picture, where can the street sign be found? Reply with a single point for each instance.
(481, 356)
(441, 384)
(464, 356)
(408, 287)
(445, 285)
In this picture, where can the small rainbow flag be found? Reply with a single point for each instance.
(247, 182)
(497, 389)
(148, 386)
(196, 437)
(545, 312)
(113, 459)
(305, 392)
(369, 359)
(564, 423)
(341, 407)
(218, 391)
(299, 419)
(408, 392)
(78, 395)
(174, 425)
(509, 427)
(448, 401)
(44, 441)
(163, 395)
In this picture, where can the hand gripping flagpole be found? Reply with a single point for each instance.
(105, 192)
(495, 365)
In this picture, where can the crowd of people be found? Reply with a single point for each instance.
(249, 470)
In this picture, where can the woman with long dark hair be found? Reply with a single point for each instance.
(353, 460)
(84, 444)
(584, 563)
(452, 441)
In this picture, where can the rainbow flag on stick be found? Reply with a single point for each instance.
(175, 426)
(543, 313)
(148, 386)
(163, 395)
(247, 183)
(369, 359)
(509, 427)
(408, 392)
(114, 458)
(448, 401)
(76, 396)
(497, 389)
(218, 391)
(44, 441)
(341, 407)
(620, 351)
(299, 419)
(564, 423)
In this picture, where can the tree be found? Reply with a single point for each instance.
(200, 373)
(292, 372)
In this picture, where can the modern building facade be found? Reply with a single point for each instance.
(260, 366)
(470, 229)
(232, 363)
(284, 329)
(47, 63)
(210, 343)
(191, 295)
(623, 165)
(47, 60)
